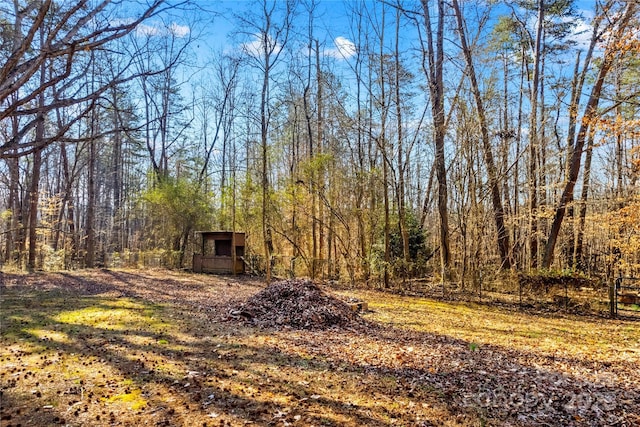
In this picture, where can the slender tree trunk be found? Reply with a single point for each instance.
(184, 243)
(117, 172)
(534, 141)
(372, 157)
(387, 228)
(518, 245)
(15, 230)
(266, 227)
(313, 184)
(269, 55)
(361, 164)
(426, 204)
(66, 194)
(507, 136)
(494, 185)
(320, 177)
(402, 220)
(436, 88)
(91, 202)
(73, 232)
(234, 225)
(382, 144)
(578, 256)
(34, 187)
(620, 150)
(591, 112)
(91, 184)
(34, 193)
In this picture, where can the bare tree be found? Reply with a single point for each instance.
(494, 185)
(158, 58)
(402, 164)
(269, 39)
(435, 65)
(611, 53)
(534, 138)
(69, 31)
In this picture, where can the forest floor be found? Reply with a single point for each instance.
(161, 348)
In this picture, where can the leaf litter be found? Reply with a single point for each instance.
(299, 304)
(312, 361)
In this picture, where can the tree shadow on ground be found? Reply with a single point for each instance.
(502, 385)
(159, 361)
(185, 379)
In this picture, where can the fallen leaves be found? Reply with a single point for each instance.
(299, 304)
(154, 340)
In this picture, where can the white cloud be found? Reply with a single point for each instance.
(172, 29)
(581, 32)
(179, 30)
(256, 46)
(344, 48)
(147, 30)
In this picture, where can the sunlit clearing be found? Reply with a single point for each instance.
(117, 316)
(49, 335)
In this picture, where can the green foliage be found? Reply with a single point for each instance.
(52, 260)
(318, 164)
(558, 273)
(507, 35)
(248, 205)
(418, 251)
(417, 240)
(177, 206)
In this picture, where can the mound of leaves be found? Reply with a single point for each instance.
(296, 303)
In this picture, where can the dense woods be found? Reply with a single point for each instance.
(403, 139)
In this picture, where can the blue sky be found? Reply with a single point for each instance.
(216, 26)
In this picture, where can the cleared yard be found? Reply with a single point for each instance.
(106, 347)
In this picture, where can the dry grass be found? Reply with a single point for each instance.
(130, 348)
(578, 337)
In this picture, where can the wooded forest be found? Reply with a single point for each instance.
(437, 203)
(449, 139)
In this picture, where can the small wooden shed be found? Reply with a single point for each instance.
(221, 252)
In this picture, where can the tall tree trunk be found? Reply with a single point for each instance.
(577, 84)
(361, 164)
(534, 140)
(496, 198)
(269, 55)
(313, 185)
(34, 187)
(435, 54)
(15, 230)
(34, 193)
(382, 145)
(578, 256)
(507, 136)
(402, 220)
(266, 226)
(518, 245)
(320, 177)
(310, 143)
(619, 150)
(117, 173)
(91, 185)
(591, 112)
(91, 201)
